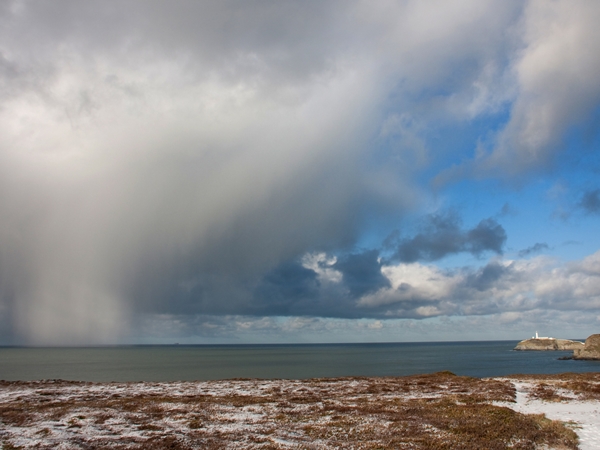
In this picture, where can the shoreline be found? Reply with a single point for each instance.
(439, 409)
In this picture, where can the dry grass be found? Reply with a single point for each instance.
(582, 386)
(437, 411)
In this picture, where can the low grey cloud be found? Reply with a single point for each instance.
(238, 329)
(283, 287)
(442, 235)
(535, 248)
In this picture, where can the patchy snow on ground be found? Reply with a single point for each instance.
(427, 411)
(583, 416)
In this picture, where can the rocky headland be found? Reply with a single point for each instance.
(550, 344)
(591, 349)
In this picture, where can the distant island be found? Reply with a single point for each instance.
(542, 343)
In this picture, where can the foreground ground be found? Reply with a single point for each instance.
(437, 411)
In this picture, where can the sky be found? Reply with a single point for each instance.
(298, 171)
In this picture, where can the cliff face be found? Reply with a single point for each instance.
(591, 350)
(549, 345)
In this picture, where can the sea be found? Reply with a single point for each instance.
(162, 363)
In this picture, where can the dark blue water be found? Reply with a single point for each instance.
(171, 363)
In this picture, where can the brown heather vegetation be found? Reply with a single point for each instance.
(582, 386)
(437, 411)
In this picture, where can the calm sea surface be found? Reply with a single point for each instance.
(203, 362)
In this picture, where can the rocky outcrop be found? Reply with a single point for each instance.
(591, 349)
(549, 344)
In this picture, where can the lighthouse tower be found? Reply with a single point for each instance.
(540, 337)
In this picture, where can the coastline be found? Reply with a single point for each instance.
(438, 410)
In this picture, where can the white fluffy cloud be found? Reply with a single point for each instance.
(556, 82)
(501, 287)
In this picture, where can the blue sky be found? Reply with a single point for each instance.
(336, 171)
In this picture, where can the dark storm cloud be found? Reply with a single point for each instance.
(282, 287)
(590, 202)
(177, 154)
(182, 158)
(362, 272)
(291, 288)
(535, 248)
(442, 235)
